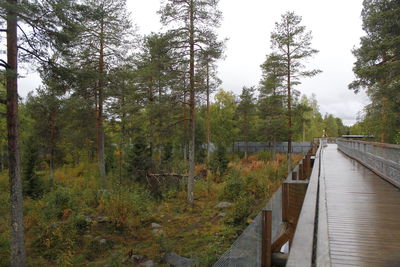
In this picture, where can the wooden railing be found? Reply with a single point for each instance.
(310, 244)
(293, 193)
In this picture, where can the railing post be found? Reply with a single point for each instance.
(285, 202)
(308, 165)
(266, 244)
(301, 173)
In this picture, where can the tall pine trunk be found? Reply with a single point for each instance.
(384, 119)
(191, 108)
(53, 119)
(208, 123)
(16, 200)
(289, 151)
(99, 126)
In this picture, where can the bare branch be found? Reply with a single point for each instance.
(4, 64)
(33, 54)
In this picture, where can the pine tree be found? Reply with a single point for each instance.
(246, 111)
(193, 23)
(292, 44)
(101, 43)
(377, 65)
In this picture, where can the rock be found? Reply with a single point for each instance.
(178, 261)
(88, 220)
(137, 258)
(148, 263)
(224, 205)
(102, 219)
(155, 225)
(222, 214)
(157, 231)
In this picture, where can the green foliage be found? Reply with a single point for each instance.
(377, 68)
(265, 155)
(219, 161)
(97, 247)
(55, 241)
(139, 160)
(234, 187)
(126, 207)
(58, 201)
(240, 212)
(223, 120)
(33, 185)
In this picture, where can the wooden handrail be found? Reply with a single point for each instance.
(302, 250)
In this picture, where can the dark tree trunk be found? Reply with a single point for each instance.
(191, 108)
(100, 128)
(16, 200)
(53, 120)
(289, 151)
(208, 124)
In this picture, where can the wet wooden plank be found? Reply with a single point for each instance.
(363, 213)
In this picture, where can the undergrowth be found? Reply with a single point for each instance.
(76, 223)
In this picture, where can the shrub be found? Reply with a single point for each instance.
(242, 209)
(219, 161)
(58, 202)
(32, 184)
(80, 223)
(265, 155)
(55, 241)
(97, 247)
(233, 187)
(126, 208)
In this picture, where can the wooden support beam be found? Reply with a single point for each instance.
(266, 252)
(283, 239)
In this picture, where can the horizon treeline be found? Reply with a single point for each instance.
(134, 91)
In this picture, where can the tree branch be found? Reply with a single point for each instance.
(33, 54)
(4, 64)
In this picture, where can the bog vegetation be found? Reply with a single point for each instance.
(75, 222)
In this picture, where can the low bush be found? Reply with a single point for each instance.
(127, 207)
(241, 211)
(233, 187)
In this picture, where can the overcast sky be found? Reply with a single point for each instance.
(336, 28)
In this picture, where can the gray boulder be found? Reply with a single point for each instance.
(178, 261)
(224, 205)
(148, 263)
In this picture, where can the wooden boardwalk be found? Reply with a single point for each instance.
(363, 213)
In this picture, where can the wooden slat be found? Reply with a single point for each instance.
(363, 214)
